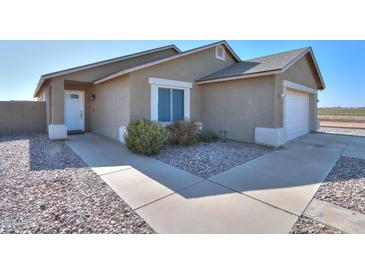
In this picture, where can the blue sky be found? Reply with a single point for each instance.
(342, 63)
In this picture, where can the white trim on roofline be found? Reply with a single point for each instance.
(239, 77)
(93, 65)
(120, 73)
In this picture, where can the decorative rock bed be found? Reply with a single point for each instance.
(345, 185)
(208, 159)
(308, 226)
(46, 188)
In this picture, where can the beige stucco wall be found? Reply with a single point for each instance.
(45, 95)
(188, 68)
(57, 102)
(301, 73)
(22, 117)
(110, 110)
(239, 107)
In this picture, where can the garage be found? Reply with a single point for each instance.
(296, 114)
(268, 100)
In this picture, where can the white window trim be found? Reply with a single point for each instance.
(165, 83)
(222, 58)
(169, 83)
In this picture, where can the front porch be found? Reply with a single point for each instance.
(68, 104)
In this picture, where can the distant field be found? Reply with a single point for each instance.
(341, 114)
(342, 111)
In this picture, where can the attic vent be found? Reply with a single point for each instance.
(220, 53)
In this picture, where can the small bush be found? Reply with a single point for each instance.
(146, 137)
(184, 133)
(208, 137)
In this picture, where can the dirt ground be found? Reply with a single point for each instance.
(352, 124)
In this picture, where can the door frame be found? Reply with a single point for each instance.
(82, 94)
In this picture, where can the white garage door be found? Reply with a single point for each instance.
(296, 118)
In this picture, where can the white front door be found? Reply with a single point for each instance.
(74, 110)
(296, 114)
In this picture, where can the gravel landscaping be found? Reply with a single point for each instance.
(46, 188)
(208, 159)
(345, 185)
(344, 131)
(308, 226)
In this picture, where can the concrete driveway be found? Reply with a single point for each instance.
(265, 195)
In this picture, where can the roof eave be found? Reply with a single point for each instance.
(310, 51)
(318, 70)
(123, 72)
(40, 83)
(238, 77)
(96, 64)
(238, 59)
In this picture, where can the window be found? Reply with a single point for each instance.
(220, 53)
(170, 99)
(74, 96)
(170, 104)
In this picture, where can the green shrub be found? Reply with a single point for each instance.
(184, 133)
(208, 137)
(146, 137)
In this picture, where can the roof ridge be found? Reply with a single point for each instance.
(278, 53)
(207, 45)
(224, 42)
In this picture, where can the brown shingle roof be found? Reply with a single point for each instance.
(257, 65)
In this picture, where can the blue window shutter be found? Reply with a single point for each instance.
(177, 104)
(164, 104)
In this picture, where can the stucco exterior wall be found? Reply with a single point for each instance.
(110, 110)
(22, 117)
(239, 107)
(188, 68)
(45, 95)
(301, 73)
(58, 101)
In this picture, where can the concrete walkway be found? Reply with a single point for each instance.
(262, 196)
(289, 177)
(341, 218)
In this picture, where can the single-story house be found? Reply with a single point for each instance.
(267, 100)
